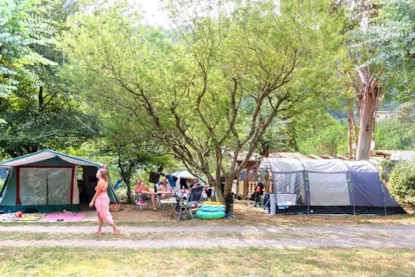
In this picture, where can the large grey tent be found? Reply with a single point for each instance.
(49, 181)
(328, 186)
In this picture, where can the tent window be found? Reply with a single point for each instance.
(329, 189)
(45, 186)
(289, 188)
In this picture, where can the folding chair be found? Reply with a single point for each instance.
(140, 202)
(185, 208)
(117, 184)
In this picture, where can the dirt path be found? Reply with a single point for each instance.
(378, 236)
(188, 243)
(393, 230)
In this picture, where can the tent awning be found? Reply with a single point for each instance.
(46, 155)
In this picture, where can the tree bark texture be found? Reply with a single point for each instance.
(368, 100)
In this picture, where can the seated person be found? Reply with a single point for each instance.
(195, 183)
(163, 187)
(209, 191)
(146, 193)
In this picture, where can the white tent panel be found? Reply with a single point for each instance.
(328, 189)
(184, 174)
(360, 166)
(329, 166)
(403, 156)
(282, 165)
(46, 155)
(74, 161)
(30, 159)
(75, 191)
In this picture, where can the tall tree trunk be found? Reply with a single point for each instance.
(368, 100)
(125, 174)
(40, 98)
(356, 136)
(349, 135)
(129, 198)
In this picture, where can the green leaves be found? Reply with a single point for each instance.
(20, 30)
(402, 181)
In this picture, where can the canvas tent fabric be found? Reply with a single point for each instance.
(403, 156)
(328, 186)
(47, 181)
(182, 176)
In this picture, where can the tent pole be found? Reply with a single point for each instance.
(351, 188)
(47, 190)
(354, 202)
(306, 185)
(383, 194)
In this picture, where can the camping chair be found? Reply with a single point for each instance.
(140, 202)
(117, 184)
(186, 208)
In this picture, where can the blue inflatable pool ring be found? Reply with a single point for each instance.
(210, 215)
(209, 208)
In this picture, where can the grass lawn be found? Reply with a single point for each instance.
(206, 262)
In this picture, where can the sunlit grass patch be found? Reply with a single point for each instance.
(205, 262)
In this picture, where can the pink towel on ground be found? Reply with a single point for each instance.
(65, 216)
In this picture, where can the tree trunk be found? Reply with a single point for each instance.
(40, 96)
(349, 135)
(369, 97)
(368, 104)
(356, 136)
(127, 181)
(221, 196)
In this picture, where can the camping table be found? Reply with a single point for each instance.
(171, 201)
(167, 201)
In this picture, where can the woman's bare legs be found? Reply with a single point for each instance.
(100, 223)
(115, 229)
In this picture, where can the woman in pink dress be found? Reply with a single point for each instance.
(102, 202)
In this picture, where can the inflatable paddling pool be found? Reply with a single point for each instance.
(211, 210)
(206, 208)
(210, 215)
(210, 203)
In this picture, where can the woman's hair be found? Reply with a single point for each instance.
(103, 173)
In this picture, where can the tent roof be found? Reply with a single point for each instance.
(403, 156)
(183, 174)
(46, 155)
(324, 166)
(256, 157)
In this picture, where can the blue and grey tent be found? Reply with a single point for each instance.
(48, 181)
(328, 187)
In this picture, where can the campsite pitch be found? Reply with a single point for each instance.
(250, 244)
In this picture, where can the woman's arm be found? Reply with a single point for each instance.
(97, 192)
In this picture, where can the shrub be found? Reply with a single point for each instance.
(402, 181)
